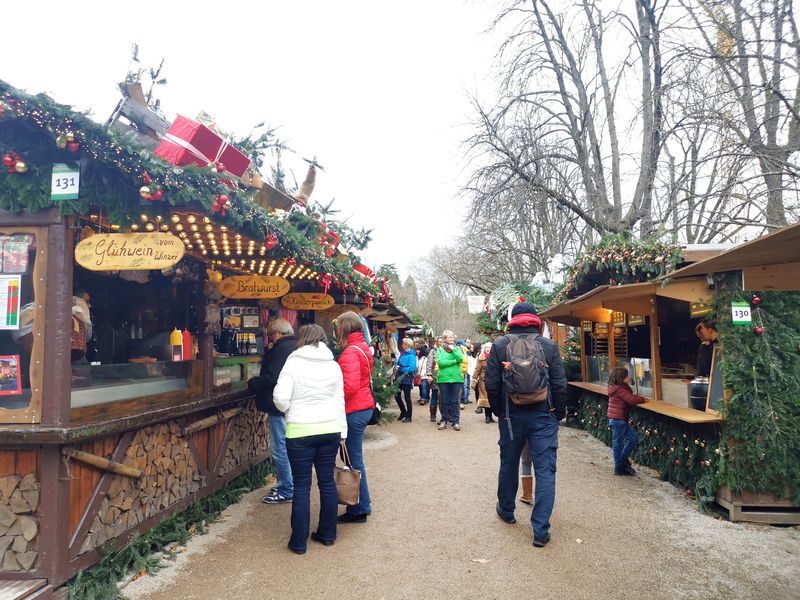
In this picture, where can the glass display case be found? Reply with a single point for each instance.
(641, 376)
(234, 371)
(99, 384)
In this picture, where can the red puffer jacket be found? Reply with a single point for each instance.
(620, 399)
(356, 371)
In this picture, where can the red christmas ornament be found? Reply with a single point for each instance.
(291, 262)
(157, 195)
(758, 330)
(73, 147)
(146, 177)
(220, 167)
(221, 204)
(756, 299)
(9, 160)
(689, 492)
(271, 241)
(522, 298)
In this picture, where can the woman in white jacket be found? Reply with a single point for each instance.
(311, 393)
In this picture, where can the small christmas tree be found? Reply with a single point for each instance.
(383, 389)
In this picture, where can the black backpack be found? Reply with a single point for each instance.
(526, 377)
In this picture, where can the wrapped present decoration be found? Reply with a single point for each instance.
(188, 142)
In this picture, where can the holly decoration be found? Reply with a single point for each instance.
(221, 204)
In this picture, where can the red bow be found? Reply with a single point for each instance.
(221, 204)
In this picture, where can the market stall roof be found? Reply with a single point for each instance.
(770, 262)
(388, 313)
(637, 298)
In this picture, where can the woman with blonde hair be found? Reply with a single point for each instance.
(450, 379)
(356, 364)
(309, 391)
(406, 368)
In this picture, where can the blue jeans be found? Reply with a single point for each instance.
(465, 390)
(540, 430)
(623, 441)
(434, 396)
(424, 390)
(356, 425)
(318, 451)
(450, 393)
(277, 445)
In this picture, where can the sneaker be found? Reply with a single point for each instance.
(275, 498)
(457, 426)
(324, 542)
(478, 410)
(621, 470)
(407, 420)
(629, 467)
(510, 520)
(541, 543)
(433, 418)
(442, 425)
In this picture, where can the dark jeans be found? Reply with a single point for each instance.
(405, 407)
(465, 390)
(356, 425)
(540, 429)
(434, 396)
(318, 451)
(450, 396)
(424, 390)
(623, 441)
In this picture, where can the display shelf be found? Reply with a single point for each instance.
(688, 415)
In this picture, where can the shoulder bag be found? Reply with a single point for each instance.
(348, 479)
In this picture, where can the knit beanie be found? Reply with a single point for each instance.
(523, 308)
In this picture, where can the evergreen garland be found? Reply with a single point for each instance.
(761, 437)
(142, 554)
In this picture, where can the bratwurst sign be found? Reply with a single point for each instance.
(253, 286)
(129, 251)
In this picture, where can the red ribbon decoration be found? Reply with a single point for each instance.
(325, 280)
(221, 204)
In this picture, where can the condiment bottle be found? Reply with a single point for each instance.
(176, 341)
(187, 345)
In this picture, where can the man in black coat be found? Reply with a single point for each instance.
(281, 334)
(535, 423)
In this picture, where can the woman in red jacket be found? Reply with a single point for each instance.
(356, 364)
(623, 437)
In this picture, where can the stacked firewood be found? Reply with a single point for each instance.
(19, 499)
(250, 437)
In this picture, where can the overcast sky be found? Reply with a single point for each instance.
(376, 90)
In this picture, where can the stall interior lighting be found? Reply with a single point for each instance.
(218, 244)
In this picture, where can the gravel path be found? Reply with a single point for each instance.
(434, 534)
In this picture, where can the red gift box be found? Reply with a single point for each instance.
(188, 142)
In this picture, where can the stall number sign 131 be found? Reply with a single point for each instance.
(65, 182)
(740, 312)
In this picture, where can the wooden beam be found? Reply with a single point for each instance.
(655, 351)
(212, 420)
(101, 462)
(691, 290)
(785, 278)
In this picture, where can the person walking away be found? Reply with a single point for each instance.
(450, 380)
(406, 368)
(527, 391)
(479, 382)
(356, 364)
(472, 361)
(283, 343)
(623, 438)
(431, 377)
(310, 391)
(422, 375)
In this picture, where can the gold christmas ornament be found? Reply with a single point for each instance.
(20, 167)
(61, 141)
(145, 192)
(70, 137)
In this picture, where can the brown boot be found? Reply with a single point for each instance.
(527, 489)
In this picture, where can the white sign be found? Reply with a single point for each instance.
(740, 313)
(65, 183)
(475, 304)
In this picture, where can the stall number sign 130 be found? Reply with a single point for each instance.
(740, 313)
(65, 183)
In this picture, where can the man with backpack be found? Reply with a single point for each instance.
(527, 388)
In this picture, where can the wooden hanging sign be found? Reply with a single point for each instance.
(300, 301)
(253, 286)
(129, 251)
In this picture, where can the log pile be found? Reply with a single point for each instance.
(19, 500)
(250, 437)
(169, 474)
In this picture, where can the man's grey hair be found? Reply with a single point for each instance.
(281, 326)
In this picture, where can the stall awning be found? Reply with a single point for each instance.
(771, 262)
(636, 298)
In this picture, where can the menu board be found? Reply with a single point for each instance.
(635, 320)
(10, 286)
(716, 388)
(10, 379)
(618, 318)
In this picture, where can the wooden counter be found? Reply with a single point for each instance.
(688, 415)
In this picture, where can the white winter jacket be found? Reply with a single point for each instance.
(310, 388)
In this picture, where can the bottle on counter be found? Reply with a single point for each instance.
(176, 342)
(186, 342)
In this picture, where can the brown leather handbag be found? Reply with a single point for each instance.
(348, 479)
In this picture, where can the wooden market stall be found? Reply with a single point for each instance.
(130, 328)
(649, 328)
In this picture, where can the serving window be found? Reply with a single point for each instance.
(22, 298)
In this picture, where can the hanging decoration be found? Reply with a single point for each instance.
(14, 163)
(221, 204)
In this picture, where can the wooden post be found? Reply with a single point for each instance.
(102, 463)
(655, 348)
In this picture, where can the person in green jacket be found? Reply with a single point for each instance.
(450, 379)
